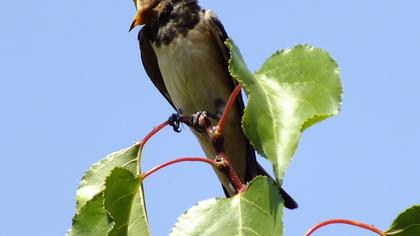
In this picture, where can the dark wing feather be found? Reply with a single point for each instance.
(150, 63)
(219, 34)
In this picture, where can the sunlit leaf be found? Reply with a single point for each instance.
(111, 188)
(94, 178)
(92, 219)
(257, 211)
(294, 89)
(124, 202)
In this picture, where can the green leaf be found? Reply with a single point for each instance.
(294, 89)
(407, 223)
(114, 179)
(94, 178)
(257, 211)
(124, 201)
(92, 219)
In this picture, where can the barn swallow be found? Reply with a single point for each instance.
(183, 52)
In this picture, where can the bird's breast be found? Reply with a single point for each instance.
(193, 71)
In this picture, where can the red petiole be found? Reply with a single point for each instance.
(344, 221)
(183, 159)
(228, 107)
(153, 132)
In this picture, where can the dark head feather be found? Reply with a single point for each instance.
(173, 17)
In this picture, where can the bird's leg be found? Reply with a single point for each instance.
(175, 122)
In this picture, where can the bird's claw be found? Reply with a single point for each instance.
(202, 115)
(175, 122)
(195, 120)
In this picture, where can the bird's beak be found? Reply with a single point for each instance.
(138, 19)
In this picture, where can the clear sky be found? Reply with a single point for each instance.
(72, 89)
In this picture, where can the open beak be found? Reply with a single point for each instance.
(138, 19)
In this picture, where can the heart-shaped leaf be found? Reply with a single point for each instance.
(294, 89)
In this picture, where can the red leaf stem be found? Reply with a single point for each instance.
(228, 107)
(231, 173)
(171, 162)
(153, 132)
(344, 221)
(157, 128)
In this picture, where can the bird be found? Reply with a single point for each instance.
(183, 53)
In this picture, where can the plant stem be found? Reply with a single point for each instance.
(157, 128)
(229, 105)
(222, 161)
(217, 140)
(231, 173)
(153, 132)
(171, 162)
(344, 221)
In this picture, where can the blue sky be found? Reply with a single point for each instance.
(72, 89)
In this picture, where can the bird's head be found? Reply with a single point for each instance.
(147, 11)
(150, 12)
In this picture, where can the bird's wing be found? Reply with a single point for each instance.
(220, 36)
(150, 63)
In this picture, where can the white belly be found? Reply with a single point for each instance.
(193, 74)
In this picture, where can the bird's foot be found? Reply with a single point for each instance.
(195, 120)
(175, 122)
(201, 116)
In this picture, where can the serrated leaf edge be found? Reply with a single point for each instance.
(86, 205)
